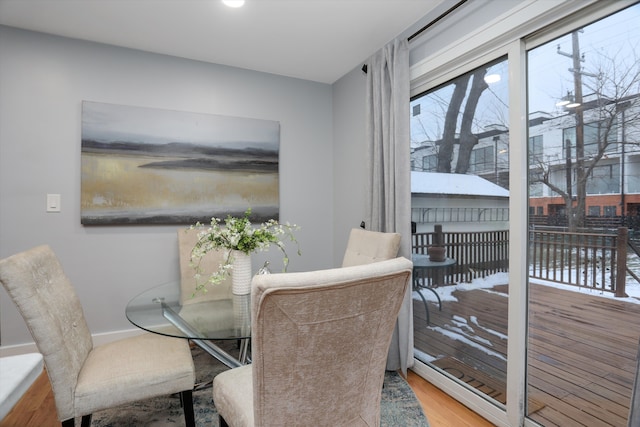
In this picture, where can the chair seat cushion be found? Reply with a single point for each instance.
(131, 369)
(233, 396)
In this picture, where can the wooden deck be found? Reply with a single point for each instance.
(582, 350)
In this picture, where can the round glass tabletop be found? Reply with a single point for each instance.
(160, 310)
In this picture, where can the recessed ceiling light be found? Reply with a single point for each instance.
(233, 3)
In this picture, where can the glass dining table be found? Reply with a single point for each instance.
(159, 310)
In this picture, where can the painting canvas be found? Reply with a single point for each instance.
(154, 166)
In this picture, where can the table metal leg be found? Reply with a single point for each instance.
(244, 351)
(437, 296)
(418, 288)
(424, 301)
(206, 345)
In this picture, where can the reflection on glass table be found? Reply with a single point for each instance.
(421, 264)
(159, 310)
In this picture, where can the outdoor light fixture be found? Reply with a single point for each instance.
(233, 3)
(492, 78)
(567, 101)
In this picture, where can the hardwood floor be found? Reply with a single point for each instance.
(37, 407)
(441, 410)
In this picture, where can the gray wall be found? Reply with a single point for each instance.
(44, 79)
(349, 156)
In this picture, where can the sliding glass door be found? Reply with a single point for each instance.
(584, 169)
(526, 170)
(460, 201)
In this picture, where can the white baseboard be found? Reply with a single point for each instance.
(98, 339)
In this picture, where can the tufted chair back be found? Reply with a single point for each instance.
(52, 311)
(366, 246)
(84, 378)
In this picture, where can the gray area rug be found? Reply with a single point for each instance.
(399, 405)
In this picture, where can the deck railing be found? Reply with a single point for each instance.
(592, 260)
(477, 254)
(584, 259)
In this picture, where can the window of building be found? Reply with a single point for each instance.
(482, 160)
(599, 137)
(535, 190)
(537, 149)
(430, 163)
(604, 179)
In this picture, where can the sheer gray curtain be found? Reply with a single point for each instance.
(388, 185)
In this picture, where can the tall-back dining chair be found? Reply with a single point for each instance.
(319, 345)
(84, 378)
(366, 246)
(187, 239)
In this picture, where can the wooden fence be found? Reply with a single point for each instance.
(590, 222)
(477, 254)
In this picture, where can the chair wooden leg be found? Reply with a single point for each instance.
(222, 422)
(186, 397)
(71, 422)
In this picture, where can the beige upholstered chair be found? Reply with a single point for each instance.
(84, 378)
(366, 246)
(320, 343)
(187, 239)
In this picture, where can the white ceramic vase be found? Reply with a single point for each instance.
(241, 273)
(242, 314)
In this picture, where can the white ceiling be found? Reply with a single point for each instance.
(318, 40)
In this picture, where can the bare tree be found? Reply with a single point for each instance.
(615, 106)
(467, 139)
(445, 153)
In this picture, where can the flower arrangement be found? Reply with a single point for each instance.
(237, 234)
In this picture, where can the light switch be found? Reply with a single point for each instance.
(53, 203)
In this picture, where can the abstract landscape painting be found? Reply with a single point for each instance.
(152, 166)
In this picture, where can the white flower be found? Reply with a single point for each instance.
(237, 234)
